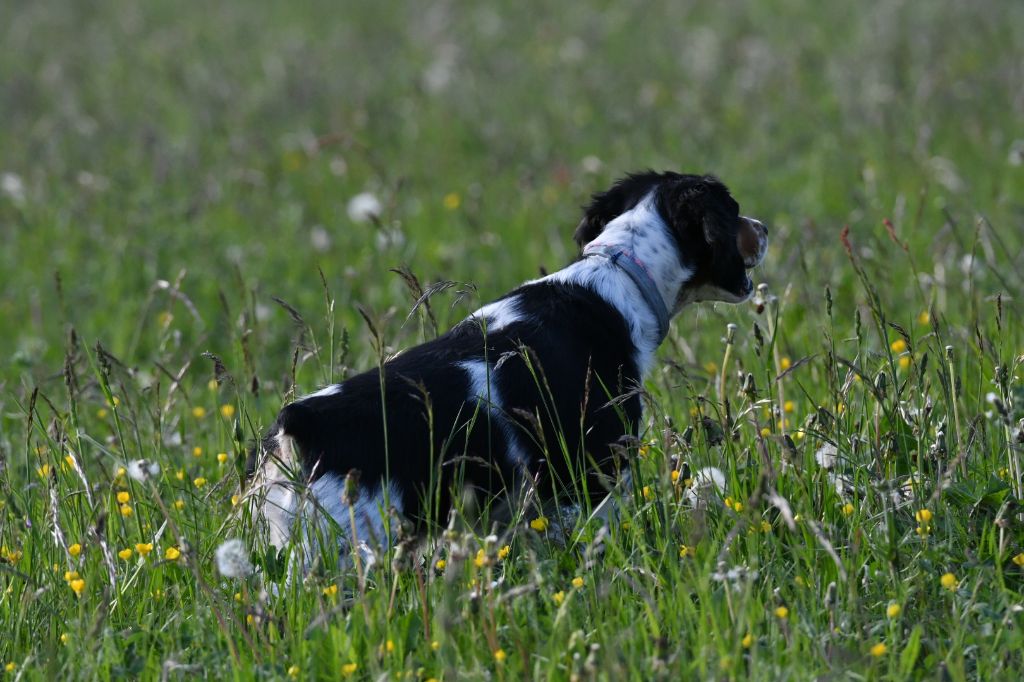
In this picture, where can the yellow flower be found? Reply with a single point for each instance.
(121, 471)
(539, 524)
(686, 550)
(737, 507)
(904, 361)
(10, 556)
(782, 612)
(197, 451)
(747, 641)
(125, 554)
(123, 497)
(558, 597)
(11, 667)
(198, 411)
(441, 563)
(101, 413)
(727, 502)
(923, 515)
(710, 367)
(924, 318)
(222, 457)
(69, 460)
(648, 493)
(789, 406)
(143, 548)
(893, 610)
(1019, 559)
(766, 526)
(199, 482)
(331, 591)
(452, 201)
(765, 432)
(499, 656)
(785, 363)
(503, 552)
(879, 649)
(481, 559)
(577, 582)
(349, 669)
(293, 672)
(674, 475)
(848, 508)
(180, 474)
(172, 554)
(75, 549)
(948, 581)
(227, 410)
(64, 638)
(126, 510)
(898, 346)
(389, 646)
(70, 575)
(234, 500)
(212, 384)
(179, 504)
(43, 471)
(77, 585)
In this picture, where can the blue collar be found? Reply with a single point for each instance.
(633, 267)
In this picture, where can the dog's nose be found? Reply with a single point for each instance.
(758, 224)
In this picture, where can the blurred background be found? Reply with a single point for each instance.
(169, 167)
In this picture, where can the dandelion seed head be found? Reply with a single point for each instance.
(363, 207)
(233, 559)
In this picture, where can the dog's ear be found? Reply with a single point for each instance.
(606, 206)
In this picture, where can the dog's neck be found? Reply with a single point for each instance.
(642, 233)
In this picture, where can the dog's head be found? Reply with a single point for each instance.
(714, 241)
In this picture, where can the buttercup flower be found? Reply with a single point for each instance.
(125, 554)
(577, 582)
(782, 613)
(539, 524)
(75, 549)
(227, 410)
(879, 649)
(144, 548)
(499, 656)
(172, 554)
(948, 581)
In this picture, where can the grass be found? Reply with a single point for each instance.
(171, 168)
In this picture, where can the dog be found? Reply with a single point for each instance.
(527, 396)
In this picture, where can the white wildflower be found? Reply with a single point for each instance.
(233, 559)
(364, 207)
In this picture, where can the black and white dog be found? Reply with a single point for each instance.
(529, 393)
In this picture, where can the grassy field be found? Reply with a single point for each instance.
(170, 170)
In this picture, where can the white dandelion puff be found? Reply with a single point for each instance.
(233, 559)
(826, 456)
(364, 207)
(141, 469)
(707, 483)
